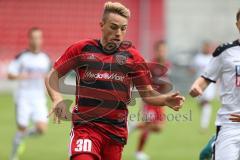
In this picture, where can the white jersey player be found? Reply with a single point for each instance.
(29, 68)
(225, 65)
(200, 62)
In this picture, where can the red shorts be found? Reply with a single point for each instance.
(85, 139)
(153, 114)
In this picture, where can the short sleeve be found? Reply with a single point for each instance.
(15, 66)
(141, 74)
(69, 60)
(213, 70)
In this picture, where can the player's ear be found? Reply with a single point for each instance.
(101, 24)
(238, 25)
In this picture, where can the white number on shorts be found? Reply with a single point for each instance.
(83, 145)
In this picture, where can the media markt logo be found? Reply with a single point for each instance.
(107, 76)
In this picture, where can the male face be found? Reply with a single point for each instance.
(113, 28)
(35, 39)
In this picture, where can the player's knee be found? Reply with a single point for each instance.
(41, 129)
(22, 128)
(83, 157)
(157, 128)
(204, 102)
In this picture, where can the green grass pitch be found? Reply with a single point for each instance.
(180, 139)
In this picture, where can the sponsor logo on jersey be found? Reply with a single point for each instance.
(121, 59)
(107, 76)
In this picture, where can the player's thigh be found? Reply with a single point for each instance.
(156, 126)
(227, 144)
(85, 140)
(39, 112)
(23, 112)
(112, 151)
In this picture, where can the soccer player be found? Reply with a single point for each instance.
(154, 116)
(30, 67)
(106, 70)
(200, 61)
(207, 152)
(224, 65)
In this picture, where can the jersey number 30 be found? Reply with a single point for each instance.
(83, 145)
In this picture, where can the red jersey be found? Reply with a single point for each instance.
(103, 85)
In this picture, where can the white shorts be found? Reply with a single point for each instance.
(227, 145)
(209, 93)
(28, 110)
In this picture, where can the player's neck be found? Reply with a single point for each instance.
(34, 50)
(161, 60)
(102, 42)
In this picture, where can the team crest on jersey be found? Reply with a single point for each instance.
(91, 57)
(121, 59)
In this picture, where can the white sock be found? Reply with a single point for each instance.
(206, 116)
(19, 138)
(131, 126)
(16, 142)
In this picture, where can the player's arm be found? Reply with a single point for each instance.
(62, 66)
(52, 84)
(20, 76)
(152, 97)
(141, 77)
(211, 74)
(14, 70)
(199, 86)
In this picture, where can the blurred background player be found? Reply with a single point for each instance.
(224, 65)
(154, 116)
(200, 61)
(30, 68)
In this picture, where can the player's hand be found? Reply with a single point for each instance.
(174, 101)
(59, 111)
(195, 91)
(235, 117)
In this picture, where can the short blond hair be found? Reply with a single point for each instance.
(115, 7)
